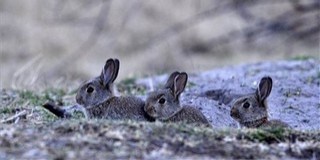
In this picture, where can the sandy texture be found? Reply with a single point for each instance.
(294, 97)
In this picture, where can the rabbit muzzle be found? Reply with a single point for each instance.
(79, 99)
(234, 113)
(150, 110)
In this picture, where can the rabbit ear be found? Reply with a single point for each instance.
(180, 83)
(109, 72)
(170, 81)
(264, 89)
(116, 70)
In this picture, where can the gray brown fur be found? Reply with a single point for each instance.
(164, 104)
(252, 110)
(193, 116)
(99, 101)
(113, 108)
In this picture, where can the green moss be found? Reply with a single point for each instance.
(26, 94)
(190, 84)
(129, 87)
(302, 57)
(32, 101)
(77, 115)
(6, 110)
(27, 97)
(271, 134)
(128, 81)
(265, 135)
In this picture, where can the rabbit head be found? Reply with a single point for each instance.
(164, 103)
(251, 109)
(95, 91)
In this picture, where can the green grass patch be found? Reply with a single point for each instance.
(302, 57)
(269, 135)
(16, 101)
(6, 110)
(129, 87)
(190, 84)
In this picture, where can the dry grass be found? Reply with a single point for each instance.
(58, 42)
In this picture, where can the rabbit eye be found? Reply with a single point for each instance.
(246, 105)
(90, 89)
(162, 100)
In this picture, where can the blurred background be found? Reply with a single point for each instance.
(64, 42)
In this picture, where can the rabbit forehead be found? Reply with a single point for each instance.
(85, 85)
(251, 98)
(94, 82)
(159, 93)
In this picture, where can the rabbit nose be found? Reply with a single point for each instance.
(149, 109)
(79, 99)
(233, 112)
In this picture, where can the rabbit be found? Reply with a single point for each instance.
(164, 105)
(99, 101)
(251, 110)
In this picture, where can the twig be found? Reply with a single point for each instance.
(18, 115)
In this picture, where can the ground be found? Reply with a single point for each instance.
(27, 130)
(101, 139)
